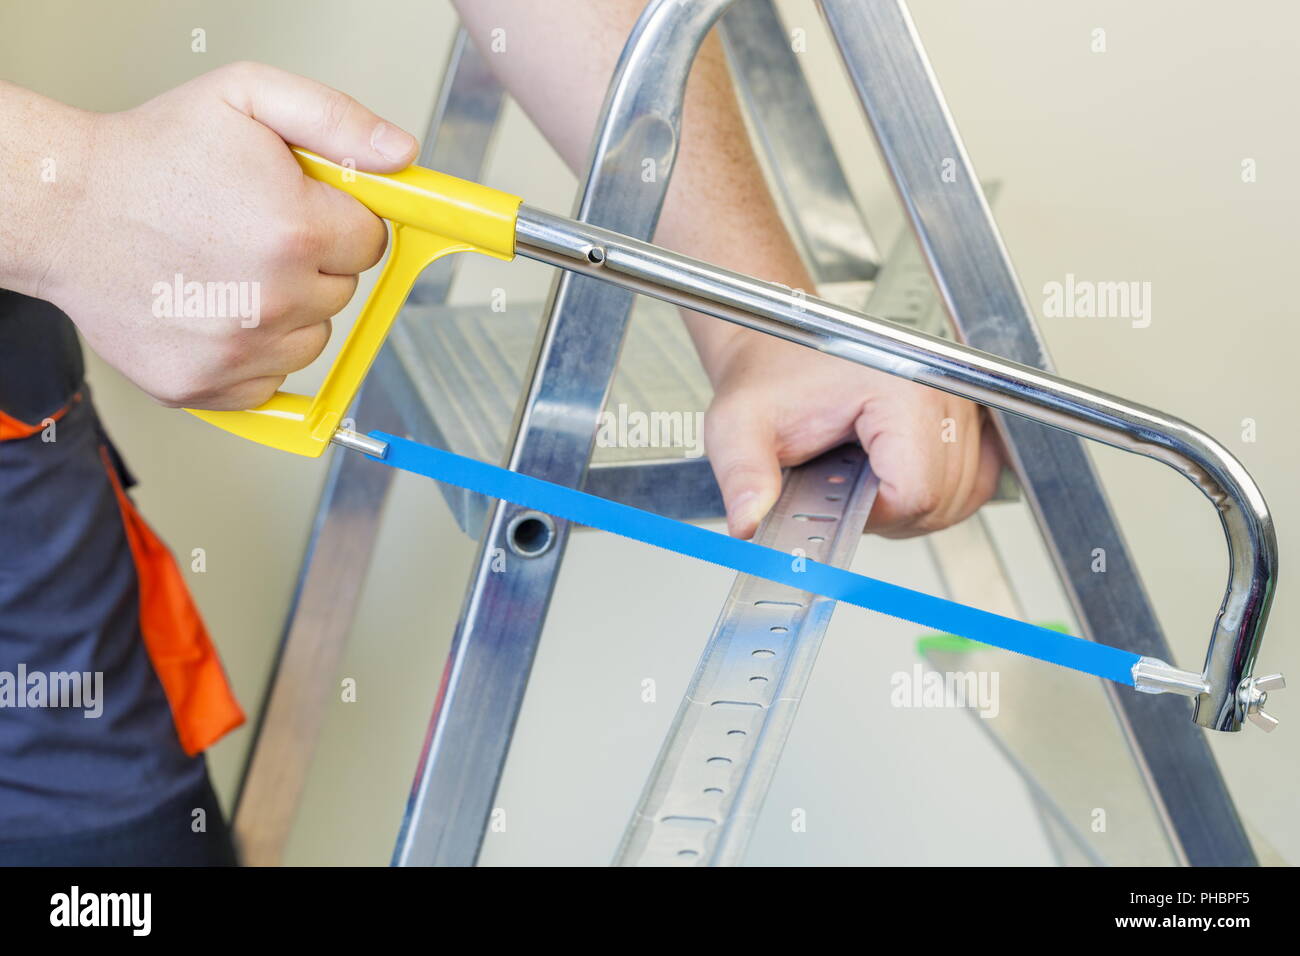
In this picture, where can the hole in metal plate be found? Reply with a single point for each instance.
(694, 823)
(530, 534)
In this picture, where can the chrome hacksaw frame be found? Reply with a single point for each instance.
(494, 645)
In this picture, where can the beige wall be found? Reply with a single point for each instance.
(1123, 165)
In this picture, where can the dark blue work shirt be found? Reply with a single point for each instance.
(69, 607)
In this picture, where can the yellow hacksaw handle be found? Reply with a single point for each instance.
(432, 215)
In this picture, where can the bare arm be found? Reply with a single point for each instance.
(775, 404)
(34, 133)
(100, 210)
(558, 61)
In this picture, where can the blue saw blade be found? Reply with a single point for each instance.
(803, 574)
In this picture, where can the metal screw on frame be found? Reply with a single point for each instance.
(1252, 693)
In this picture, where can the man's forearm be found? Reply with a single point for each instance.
(557, 62)
(41, 177)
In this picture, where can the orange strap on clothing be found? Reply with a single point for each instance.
(12, 429)
(203, 706)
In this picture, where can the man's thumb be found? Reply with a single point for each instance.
(744, 461)
(309, 114)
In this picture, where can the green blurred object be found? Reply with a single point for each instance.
(956, 644)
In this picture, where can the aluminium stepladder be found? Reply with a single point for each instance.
(470, 731)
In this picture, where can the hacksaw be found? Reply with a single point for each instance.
(433, 215)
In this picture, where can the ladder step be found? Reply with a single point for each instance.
(464, 367)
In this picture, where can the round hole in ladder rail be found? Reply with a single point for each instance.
(837, 479)
(530, 534)
(764, 652)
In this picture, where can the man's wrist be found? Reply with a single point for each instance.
(44, 172)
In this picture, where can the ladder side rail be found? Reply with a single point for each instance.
(578, 347)
(807, 178)
(899, 93)
(347, 518)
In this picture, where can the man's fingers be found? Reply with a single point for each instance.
(246, 394)
(742, 451)
(908, 458)
(309, 114)
(300, 348)
(937, 463)
(988, 472)
(355, 237)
